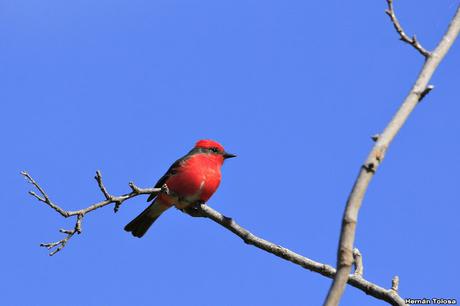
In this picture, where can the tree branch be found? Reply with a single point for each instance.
(354, 280)
(403, 36)
(117, 200)
(202, 210)
(375, 158)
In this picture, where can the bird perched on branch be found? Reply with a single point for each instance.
(191, 180)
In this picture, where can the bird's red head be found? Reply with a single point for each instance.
(208, 144)
(213, 147)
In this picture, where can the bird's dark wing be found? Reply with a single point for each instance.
(171, 171)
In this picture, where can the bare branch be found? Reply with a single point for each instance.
(117, 200)
(98, 178)
(45, 199)
(58, 245)
(375, 158)
(354, 280)
(403, 36)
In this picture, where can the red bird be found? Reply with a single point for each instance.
(191, 180)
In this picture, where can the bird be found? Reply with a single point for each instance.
(191, 180)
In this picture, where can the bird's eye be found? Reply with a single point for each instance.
(214, 149)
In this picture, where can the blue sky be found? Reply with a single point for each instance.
(295, 88)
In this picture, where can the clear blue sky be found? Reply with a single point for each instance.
(295, 88)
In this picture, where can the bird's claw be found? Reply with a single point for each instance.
(165, 189)
(193, 210)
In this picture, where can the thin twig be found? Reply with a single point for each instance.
(403, 36)
(45, 199)
(104, 191)
(375, 158)
(117, 200)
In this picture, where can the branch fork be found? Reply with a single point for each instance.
(413, 41)
(57, 246)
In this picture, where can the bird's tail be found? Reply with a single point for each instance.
(139, 225)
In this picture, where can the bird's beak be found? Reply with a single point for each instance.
(228, 155)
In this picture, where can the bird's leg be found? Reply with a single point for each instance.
(194, 209)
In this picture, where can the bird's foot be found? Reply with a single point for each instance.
(194, 210)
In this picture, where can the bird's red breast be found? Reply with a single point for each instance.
(197, 178)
